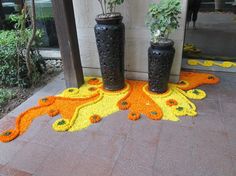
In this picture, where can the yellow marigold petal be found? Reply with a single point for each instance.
(196, 94)
(192, 62)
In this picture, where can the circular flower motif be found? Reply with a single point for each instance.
(123, 105)
(47, 101)
(9, 135)
(183, 84)
(94, 81)
(134, 116)
(61, 125)
(53, 112)
(71, 92)
(179, 111)
(196, 94)
(154, 115)
(95, 118)
(171, 102)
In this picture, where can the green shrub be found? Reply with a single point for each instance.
(163, 18)
(13, 70)
(5, 95)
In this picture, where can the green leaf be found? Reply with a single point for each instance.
(163, 16)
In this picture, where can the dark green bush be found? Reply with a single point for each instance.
(13, 70)
(5, 95)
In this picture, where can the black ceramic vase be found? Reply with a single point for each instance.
(110, 39)
(160, 59)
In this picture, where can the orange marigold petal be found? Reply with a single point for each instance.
(94, 81)
(53, 112)
(171, 102)
(134, 116)
(95, 118)
(9, 135)
(154, 115)
(123, 105)
(47, 101)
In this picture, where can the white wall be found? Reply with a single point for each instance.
(137, 37)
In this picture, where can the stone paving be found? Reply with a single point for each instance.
(215, 34)
(201, 146)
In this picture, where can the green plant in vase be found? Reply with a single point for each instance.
(162, 19)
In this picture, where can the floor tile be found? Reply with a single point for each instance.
(212, 153)
(74, 141)
(140, 154)
(8, 171)
(228, 109)
(105, 145)
(30, 157)
(9, 150)
(92, 166)
(210, 121)
(130, 169)
(47, 136)
(58, 162)
(145, 130)
(211, 91)
(175, 152)
(117, 124)
(230, 128)
(207, 106)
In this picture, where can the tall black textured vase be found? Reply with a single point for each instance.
(160, 59)
(110, 38)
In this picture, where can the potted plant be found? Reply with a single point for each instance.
(110, 39)
(162, 19)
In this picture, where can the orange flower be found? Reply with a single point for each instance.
(171, 102)
(53, 112)
(134, 116)
(123, 105)
(154, 115)
(47, 101)
(94, 81)
(9, 135)
(95, 118)
(192, 80)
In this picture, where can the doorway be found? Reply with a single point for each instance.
(211, 43)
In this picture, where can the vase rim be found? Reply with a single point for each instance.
(101, 17)
(111, 20)
(163, 43)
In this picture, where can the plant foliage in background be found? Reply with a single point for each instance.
(5, 95)
(13, 63)
(109, 6)
(163, 18)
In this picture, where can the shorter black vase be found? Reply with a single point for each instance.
(110, 39)
(160, 59)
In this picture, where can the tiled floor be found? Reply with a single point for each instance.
(201, 146)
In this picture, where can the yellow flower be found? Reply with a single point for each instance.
(61, 125)
(196, 94)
